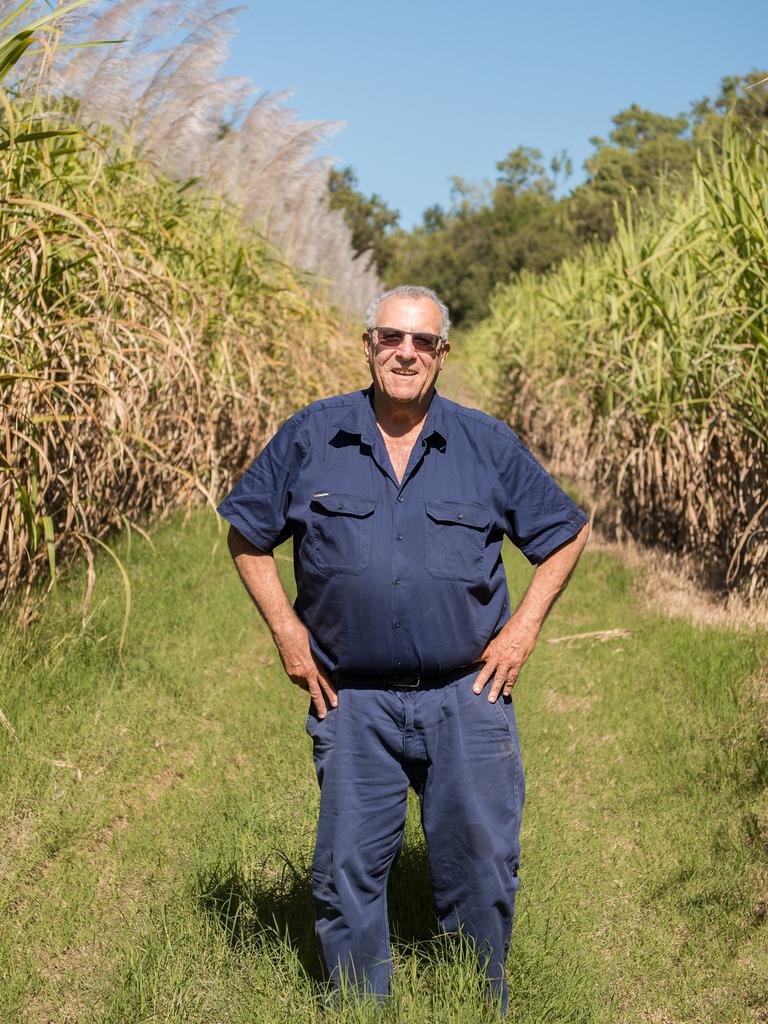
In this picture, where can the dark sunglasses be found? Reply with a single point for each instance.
(392, 337)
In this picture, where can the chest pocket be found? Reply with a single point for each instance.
(340, 532)
(456, 532)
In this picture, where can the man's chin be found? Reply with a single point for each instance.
(402, 392)
(412, 399)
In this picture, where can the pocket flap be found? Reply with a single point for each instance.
(344, 504)
(462, 512)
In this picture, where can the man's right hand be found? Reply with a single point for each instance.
(259, 574)
(303, 670)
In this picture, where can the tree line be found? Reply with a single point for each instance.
(492, 231)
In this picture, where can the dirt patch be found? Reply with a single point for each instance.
(667, 583)
(70, 986)
(17, 841)
(151, 791)
(564, 703)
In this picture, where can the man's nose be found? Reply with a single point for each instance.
(406, 349)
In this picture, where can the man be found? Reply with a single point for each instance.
(398, 501)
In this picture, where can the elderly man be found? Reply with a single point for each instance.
(397, 502)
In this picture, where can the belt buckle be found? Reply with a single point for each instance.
(409, 686)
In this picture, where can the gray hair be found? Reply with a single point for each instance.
(408, 291)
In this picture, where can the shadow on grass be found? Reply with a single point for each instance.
(275, 906)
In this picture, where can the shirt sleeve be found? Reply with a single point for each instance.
(258, 503)
(540, 515)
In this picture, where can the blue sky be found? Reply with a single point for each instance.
(429, 90)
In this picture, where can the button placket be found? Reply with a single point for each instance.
(397, 607)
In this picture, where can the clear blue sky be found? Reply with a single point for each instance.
(433, 89)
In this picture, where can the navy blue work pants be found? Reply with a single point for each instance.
(461, 755)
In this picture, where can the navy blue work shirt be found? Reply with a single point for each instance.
(399, 577)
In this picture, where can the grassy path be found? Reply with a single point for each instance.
(157, 812)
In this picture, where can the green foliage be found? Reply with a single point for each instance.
(149, 340)
(642, 365)
(368, 217)
(495, 230)
(490, 232)
(745, 99)
(646, 152)
(641, 148)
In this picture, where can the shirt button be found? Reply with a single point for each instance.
(400, 497)
(397, 582)
(396, 625)
(460, 515)
(399, 536)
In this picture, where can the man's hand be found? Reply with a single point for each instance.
(504, 656)
(302, 668)
(259, 574)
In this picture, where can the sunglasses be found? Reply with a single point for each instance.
(392, 337)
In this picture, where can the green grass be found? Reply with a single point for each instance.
(159, 872)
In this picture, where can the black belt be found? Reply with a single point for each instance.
(412, 681)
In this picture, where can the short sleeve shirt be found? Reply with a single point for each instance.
(399, 577)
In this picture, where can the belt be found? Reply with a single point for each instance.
(413, 681)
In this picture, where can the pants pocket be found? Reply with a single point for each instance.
(322, 732)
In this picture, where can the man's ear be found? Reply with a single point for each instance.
(444, 352)
(366, 343)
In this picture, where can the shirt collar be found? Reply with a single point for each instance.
(359, 420)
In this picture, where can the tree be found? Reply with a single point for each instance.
(521, 170)
(642, 147)
(745, 98)
(492, 230)
(369, 218)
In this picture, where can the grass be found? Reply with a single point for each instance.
(158, 808)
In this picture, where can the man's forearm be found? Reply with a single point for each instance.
(507, 652)
(258, 572)
(550, 579)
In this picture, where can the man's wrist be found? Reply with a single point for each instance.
(529, 619)
(287, 629)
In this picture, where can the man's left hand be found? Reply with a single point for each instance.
(504, 656)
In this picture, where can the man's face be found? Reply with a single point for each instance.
(405, 373)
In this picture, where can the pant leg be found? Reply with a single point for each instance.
(363, 802)
(472, 802)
